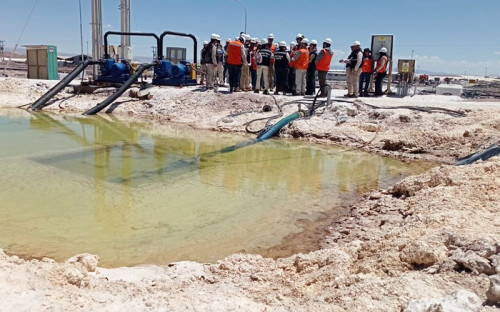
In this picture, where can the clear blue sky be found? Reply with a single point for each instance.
(454, 36)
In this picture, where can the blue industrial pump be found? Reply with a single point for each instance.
(114, 72)
(168, 74)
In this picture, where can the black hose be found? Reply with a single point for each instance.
(42, 101)
(94, 110)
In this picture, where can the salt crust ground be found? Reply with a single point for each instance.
(427, 236)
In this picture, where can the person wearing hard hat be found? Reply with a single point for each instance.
(301, 59)
(263, 59)
(219, 74)
(366, 72)
(353, 69)
(235, 58)
(203, 64)
(254, 48)
(282, 64)
(311, 69)
(291, 70)
(323, 61)
(209, 55)
(271, 73)
(245, 69)
(380, 70)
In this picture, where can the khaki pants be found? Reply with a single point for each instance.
(262, 72)
(210, 75)
(300, 81)
(245, 77)
(203, 73)
(220, 74)
(352, 77)
(270, 76)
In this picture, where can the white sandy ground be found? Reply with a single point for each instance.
(428, 236)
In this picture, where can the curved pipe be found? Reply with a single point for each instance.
(94, 110)
(160, 45)
(106, 54)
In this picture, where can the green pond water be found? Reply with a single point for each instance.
(147, 193)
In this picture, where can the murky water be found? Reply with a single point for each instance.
(137, 193)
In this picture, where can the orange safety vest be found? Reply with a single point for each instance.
(324, 63)
(383, 69)
(368, 65)
(303, 61)
(234, 53)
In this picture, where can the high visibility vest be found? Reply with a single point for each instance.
(234, 53)
(324, 63)
(368, 65)
(303, 61)
(383, 69)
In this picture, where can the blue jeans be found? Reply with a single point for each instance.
(364, 83)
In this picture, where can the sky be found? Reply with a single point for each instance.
(451, 36)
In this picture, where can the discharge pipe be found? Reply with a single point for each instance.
(173, 33)
(106, 52)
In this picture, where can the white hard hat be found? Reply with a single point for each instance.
(270, 36)
(254, 40)
(356, 43)
(205, 42)
(218, 37)
(328, 40)
(263, 41)
(383, 50)
(305, 41)
(248, 37)
(213, 36)
(282, 44)
(314, 42)
(299, 35)
(228, 39)
(293, 44)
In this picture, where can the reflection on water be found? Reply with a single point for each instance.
(147, 193)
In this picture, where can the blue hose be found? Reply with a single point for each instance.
(274, 130)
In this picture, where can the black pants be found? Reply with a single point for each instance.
(253, 75)
(378, 83)
(234, 76)
(281, 80)
(291, 81)
(311, 82)
(322, 81)
(364, 83)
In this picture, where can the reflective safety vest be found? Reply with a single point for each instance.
(303, 61)
(384, 68)
(368, 65)
(324, 63)
(234, 53)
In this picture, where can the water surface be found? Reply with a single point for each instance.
(137, 193)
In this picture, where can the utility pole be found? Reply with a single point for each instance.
(2, 49)
(154, 52)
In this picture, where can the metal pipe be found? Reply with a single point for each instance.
(125, 24)
(106, 54)
(195, 49)
(96, 32)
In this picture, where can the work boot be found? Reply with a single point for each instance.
(265, 92)
(276, 93)
(256, 91)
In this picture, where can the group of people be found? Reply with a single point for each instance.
(262, 65)
(360, 68)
